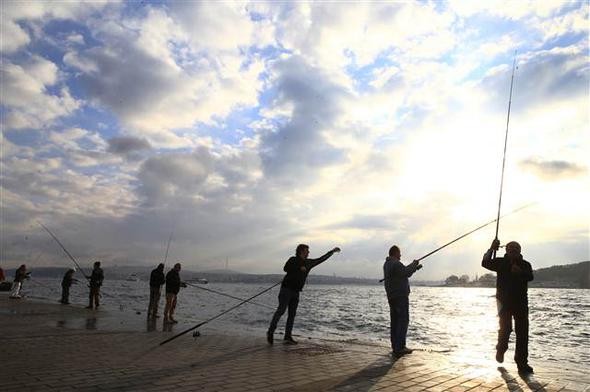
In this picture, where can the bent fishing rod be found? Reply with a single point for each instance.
(227, 295)
(219, 315)
(64, 249)
(504, 155)
(470, 232)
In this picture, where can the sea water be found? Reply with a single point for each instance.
(461, 322)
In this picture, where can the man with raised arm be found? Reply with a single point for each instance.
(513, 275)
(297, 269)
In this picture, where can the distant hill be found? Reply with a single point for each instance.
(569, 275)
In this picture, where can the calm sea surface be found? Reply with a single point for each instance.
(459, 321)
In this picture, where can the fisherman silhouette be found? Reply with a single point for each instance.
(297, 269)
(513, 275)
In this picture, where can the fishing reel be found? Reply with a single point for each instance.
(196, 334)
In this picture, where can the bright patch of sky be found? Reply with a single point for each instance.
(249, 127)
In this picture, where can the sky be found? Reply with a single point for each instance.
(241, 129)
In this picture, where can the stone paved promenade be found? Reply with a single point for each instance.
(47, 347)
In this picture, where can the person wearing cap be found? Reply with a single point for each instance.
(66, 283)
(95, 282)
(297, 269)
(157, 279)
(513, 274)
(173, 285)
(397, 288)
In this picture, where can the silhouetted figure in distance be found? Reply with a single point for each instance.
(157, 279)
(66, 283)
(95, 282)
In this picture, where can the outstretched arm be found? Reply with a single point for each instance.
(310, 263)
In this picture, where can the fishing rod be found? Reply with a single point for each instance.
(505, 146)
(64, 249)
(470, 232)
(219, 315)
(168, 247)
(229, 296)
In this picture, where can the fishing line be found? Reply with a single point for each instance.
(219, 315)
(472, 231)
(229, 296)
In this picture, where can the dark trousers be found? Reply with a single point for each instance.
(399, 313)
(521, 328)
(154, 301)
(65, 295)
(287, 299)
(93, 297)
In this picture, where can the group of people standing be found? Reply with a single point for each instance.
(513, 275)
(173, 285)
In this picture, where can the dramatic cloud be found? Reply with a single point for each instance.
(246, 128)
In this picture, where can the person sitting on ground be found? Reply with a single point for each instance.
(157, 279)
(397, 288)
(513, 275)
(19, 277)
(173, 285)
(66, 283)
(297, 269)
(96, 280)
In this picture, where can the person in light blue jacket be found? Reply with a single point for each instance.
(397, 288)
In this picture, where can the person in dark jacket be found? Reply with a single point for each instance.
(513, 274)
(173, 285)
(297, 269)
(19, 277)
(95, 282)
(66, 283)
(157, 279)
(397, 288)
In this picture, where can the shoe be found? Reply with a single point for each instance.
(499, 356)
(289, 340)
(402, 352)
(89, 307)
(525, 369)
(270, 337)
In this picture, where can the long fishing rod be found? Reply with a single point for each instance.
(471, 232)
(219, 315)
(64, 249)
(168, 247)
(505, 146)
(229, 296)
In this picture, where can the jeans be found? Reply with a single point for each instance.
(399, 313)
(288, 298)
(521, 327)
(93, 296)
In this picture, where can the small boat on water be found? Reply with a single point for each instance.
(132, 278)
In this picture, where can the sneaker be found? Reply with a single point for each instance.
(270, 337)
(289, 340)
(499, 356)
(525, 369)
